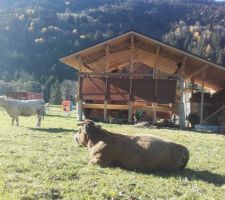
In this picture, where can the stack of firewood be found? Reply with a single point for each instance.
(218, 99)
(196, 97)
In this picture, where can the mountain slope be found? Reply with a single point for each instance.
(35, 34)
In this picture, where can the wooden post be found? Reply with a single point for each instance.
(130, 111)
(105, 111)
(192, 86)
(106, 100)
(202, 103)
(182, 114)
(106, 83)
(80, 97)
(79, 110)
(202, 96)
(181, 105)
(154, 113)
(80, 101)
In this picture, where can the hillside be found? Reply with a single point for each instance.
(35, 34)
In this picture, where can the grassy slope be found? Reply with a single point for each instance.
(47, 164)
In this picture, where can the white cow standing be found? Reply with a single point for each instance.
(16, 108)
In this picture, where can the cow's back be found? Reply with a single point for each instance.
(30, 107)
(148, 153)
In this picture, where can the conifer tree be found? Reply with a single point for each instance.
(55, 93)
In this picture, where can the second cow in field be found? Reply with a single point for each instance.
(141, 153)
(16, 108)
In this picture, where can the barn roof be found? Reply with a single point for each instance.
(115, 54)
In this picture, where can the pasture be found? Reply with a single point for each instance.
(45, 163)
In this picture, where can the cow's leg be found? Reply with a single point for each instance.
(39, 121)
(101, 162)
(100, 155)
(12, 121)
(97, 148)
(17, 121)
(94, 161)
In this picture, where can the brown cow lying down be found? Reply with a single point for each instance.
(141, 153)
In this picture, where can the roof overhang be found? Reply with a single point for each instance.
(116, 53)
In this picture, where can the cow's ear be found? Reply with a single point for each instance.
(87, 121)
(82, 123)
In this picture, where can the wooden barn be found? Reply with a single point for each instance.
(134, 73)
(24, 95)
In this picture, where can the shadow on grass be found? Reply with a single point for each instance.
(191, 174)
(176, 128)
(62, 116)
(52, 130)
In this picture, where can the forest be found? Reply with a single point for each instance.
(35, 34)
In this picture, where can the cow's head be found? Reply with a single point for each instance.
(83, 135)
(2, 98)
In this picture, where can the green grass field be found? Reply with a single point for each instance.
(46, 163)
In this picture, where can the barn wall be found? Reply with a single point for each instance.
(24, 95)
(122, 89)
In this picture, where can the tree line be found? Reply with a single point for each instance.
(54, 91)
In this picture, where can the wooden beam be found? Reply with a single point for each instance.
(132, 53)
(155, 70)
(125, 75)
(156, 60)
(126, 107)
(80, 63)
(171, 56)
(109, 106)
(171, 48)
(107, 58)
(183, 66)
(148, 40)
(143, 56)
(197, 72)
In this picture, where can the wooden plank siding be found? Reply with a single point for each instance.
(119, 90)
(93, 89)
